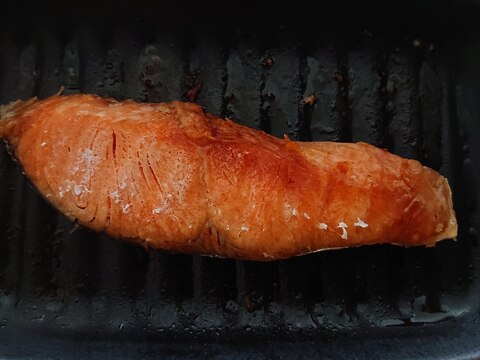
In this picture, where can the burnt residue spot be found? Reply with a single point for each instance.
(253, 301)
(113, 73)
(268, 97)
(193, 85)
(152, 66)
(229, 97)
(267, 62)
(310, 100)
(148, 82)
(338, 77)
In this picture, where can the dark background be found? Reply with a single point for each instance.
(400, 75)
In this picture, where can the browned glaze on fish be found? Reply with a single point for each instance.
(171, 177)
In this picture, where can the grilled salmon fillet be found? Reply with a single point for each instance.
(171, 177)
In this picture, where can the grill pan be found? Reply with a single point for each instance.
(402, 75)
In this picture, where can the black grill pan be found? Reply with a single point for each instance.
(400, 75)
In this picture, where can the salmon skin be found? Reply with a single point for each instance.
(172, 177)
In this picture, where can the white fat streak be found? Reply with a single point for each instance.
(86, 177)
(306, 216)
(88, 156)
(101, 113)
(439, 227)
(79, 189)
(43, 144)
(144, 110)
(323, 226)
(343, 226)
(244, 228)
(289, 211)
(360, 223)
(115, 196)
(64, 189)
(165, 205)
(126, 208)
(89, 159)
(161, 209)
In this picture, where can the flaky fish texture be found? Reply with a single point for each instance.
(171, 177)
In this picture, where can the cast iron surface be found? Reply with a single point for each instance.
(404, 77)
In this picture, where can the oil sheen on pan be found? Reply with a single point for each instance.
(172, 177)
